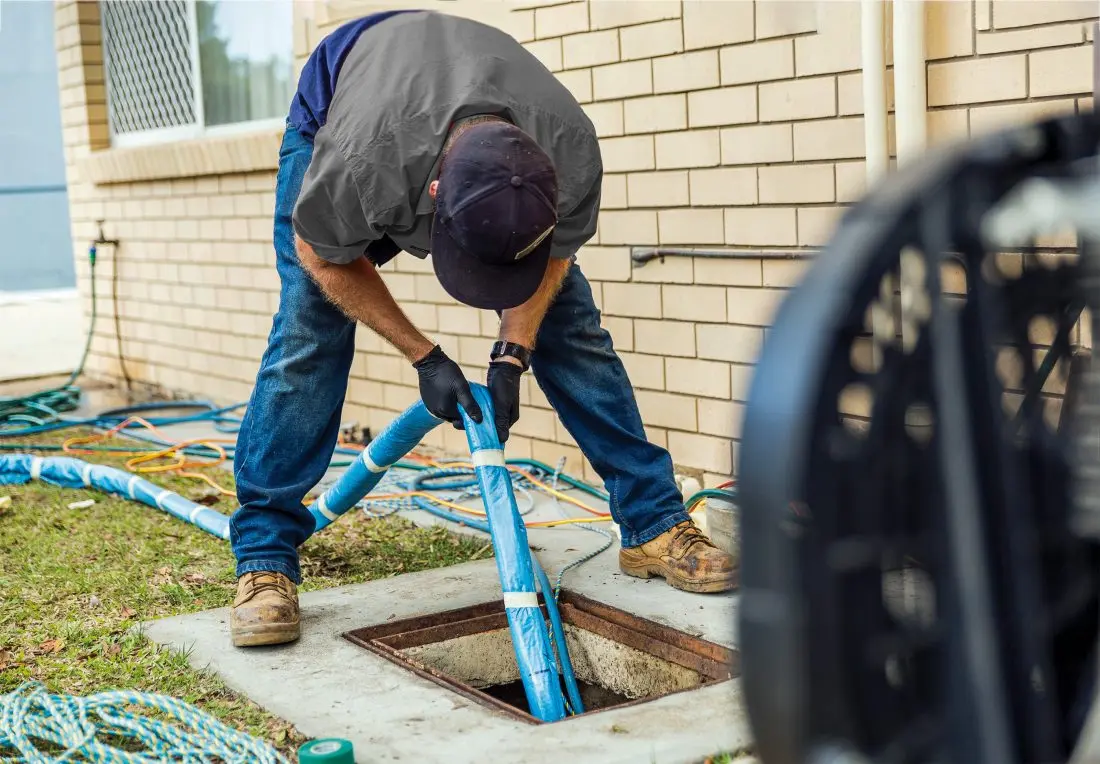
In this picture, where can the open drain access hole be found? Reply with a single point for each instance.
(619, 659)
(594, 696)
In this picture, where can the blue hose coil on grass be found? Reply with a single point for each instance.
(400, 437)
(64, 471)
(534, 653)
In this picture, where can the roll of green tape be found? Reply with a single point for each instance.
(327, 751)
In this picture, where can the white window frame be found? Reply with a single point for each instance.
(198, 129)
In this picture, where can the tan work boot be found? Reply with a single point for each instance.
(685, 558)
(265, 611)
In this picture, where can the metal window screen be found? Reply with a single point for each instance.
(150, 71)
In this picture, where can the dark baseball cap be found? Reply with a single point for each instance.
(495, 212)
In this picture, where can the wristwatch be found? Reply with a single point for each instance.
(513, 350)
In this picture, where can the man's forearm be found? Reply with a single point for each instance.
(361, 294)
(521, 324)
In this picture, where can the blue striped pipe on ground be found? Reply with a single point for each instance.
(398, 438)
(64, 471)
(530, 639)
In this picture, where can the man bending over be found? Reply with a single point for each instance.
(423, 133)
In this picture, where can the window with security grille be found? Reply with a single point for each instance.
(179, 68)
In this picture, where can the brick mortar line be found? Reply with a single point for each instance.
(1040, 25)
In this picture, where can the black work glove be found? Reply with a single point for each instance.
(443, 386)
(503, 384)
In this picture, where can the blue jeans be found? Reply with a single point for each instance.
(290, 428)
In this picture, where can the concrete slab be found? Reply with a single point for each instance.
(327, 686)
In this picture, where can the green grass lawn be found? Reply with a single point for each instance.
(74, 583)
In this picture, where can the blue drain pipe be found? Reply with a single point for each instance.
(534, 653)
(398, 438)
(16, 469)
(515, 566)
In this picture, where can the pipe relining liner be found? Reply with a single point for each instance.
(488, 457)
(66, 472)
(520, 599)
(398, 438)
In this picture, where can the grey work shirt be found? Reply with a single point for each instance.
(404, 83)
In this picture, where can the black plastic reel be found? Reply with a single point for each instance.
(911, 590)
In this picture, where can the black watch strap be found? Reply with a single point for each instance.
(519, 352)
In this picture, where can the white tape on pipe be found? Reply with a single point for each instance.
(489, 457)
(323, 508)
(371, 465)
(520, 599)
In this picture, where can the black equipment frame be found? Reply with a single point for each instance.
(912, 590)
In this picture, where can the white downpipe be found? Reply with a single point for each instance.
(873, 38)
(910, 79)
(875, 140)
(911, 124)
(910, 132)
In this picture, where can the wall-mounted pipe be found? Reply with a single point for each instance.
(1095, 64)
(910, 121)
(910, 80)
(642, 255)
(875, 141)
(873, 48)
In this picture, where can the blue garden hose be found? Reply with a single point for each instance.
(544, 583)
(559, 639)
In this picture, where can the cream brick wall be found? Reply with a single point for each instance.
(722, 122)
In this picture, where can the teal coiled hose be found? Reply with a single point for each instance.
(118, 728)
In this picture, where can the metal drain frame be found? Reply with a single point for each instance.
(712, 661)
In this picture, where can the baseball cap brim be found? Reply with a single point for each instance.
(483, 285)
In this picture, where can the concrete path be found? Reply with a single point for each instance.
(50, 336)
(327, 686)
